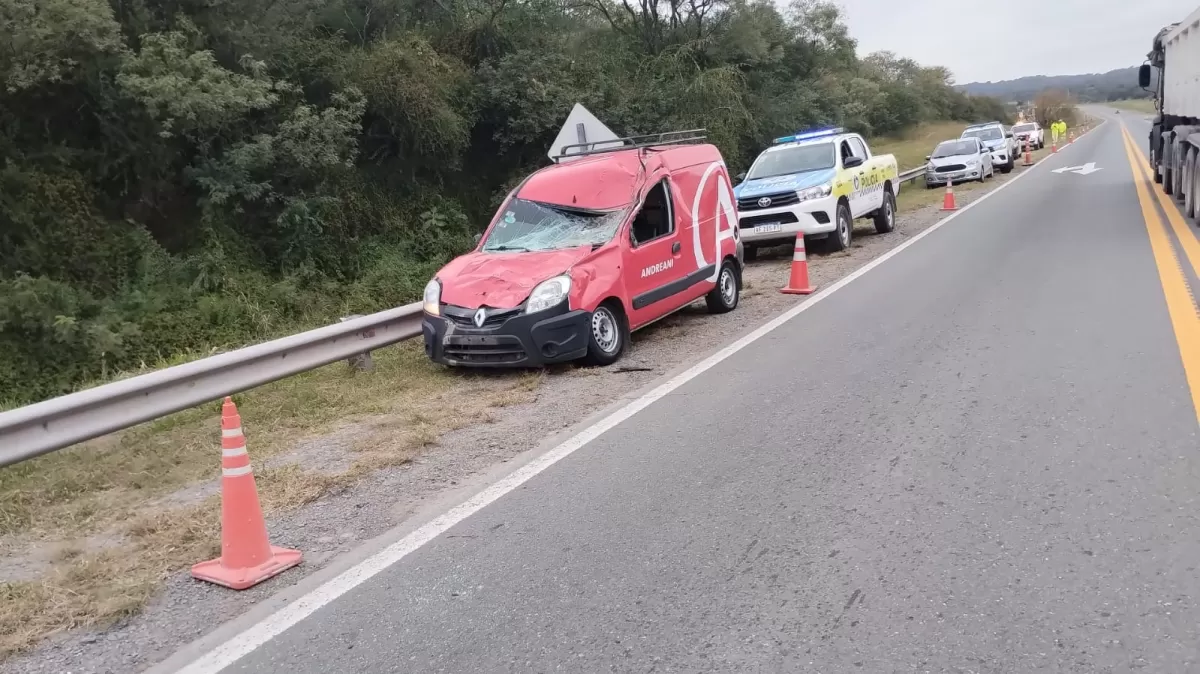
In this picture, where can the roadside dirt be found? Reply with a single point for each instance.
(344, 515)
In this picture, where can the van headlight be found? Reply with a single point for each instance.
(433, 298)
(548, 293)
(817, 192)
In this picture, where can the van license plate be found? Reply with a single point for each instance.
(769, 228)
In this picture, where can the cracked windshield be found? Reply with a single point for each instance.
(530, 225)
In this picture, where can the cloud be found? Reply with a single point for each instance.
(988, 41)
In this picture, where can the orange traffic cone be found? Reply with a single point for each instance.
(948, 200)
(1054, 147)
(1070, 137)
(1028, 156)
(798, 283)
(247, 557)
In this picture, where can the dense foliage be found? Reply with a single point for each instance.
(188, 175)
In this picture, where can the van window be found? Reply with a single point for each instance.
(656, 219)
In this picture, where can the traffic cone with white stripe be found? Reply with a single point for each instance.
(247, 557)
(798, 283)
(1028, 154)
(948, 200)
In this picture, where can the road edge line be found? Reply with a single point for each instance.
(216, 659)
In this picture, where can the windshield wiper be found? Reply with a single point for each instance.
(507, 248)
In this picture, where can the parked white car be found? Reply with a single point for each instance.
(959, 161)
(999, 141)
(1031, 131)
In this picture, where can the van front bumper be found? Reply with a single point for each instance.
(507, 338)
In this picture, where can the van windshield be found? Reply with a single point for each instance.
(798, 159)
(531, 225)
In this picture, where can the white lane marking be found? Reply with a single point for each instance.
(275, 624)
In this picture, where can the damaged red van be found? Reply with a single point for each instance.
(610, 238)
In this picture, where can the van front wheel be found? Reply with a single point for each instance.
(607, 336)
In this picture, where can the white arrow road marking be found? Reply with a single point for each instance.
(1084, 170)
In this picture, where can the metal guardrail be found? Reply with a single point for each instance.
(43, 427)
(911, 174)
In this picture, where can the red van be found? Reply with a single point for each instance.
(603, 242)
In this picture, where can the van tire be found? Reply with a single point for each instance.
(843, 233)
(724, 298)
(885, 217)
(607, 349)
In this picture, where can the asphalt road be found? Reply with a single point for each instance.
(980, 456)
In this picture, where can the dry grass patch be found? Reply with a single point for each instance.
(914, 145)
(104, 487)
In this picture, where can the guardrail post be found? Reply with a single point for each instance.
(361, 362)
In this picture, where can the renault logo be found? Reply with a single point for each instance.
(480, 317)
(764, 202)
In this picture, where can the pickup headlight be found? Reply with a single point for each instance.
(433, 298)
(817, 192)
(548, 293)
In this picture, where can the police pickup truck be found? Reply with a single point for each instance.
(816, 183)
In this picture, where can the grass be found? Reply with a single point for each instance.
(912, 147)
(127, 487)
(1145, 105)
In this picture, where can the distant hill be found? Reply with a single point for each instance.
(1092, 88)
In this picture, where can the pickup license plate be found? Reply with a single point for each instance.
(768, 228)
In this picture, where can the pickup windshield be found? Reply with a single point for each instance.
(799, 159)
(954, 148)
(989, 133)
(531, 225)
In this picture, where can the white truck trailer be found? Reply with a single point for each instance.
(1175, 135)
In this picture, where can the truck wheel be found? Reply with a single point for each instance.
(607, 335)
(1190, 182)
(1168, 179)
(724, 298)
(839, 238)
(1154, 166)
(1180, 173)
(885, 217)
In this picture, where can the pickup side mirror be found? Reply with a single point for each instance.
(1144, 76)
(741, 177)
(928, 157)
(851, 162)
(1008, 135)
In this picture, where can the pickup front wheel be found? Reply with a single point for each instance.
(839, 238)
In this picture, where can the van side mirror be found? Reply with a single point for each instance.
(741, 177)
(851, 162)
(928, 157)
(1144, 76)
(478, 237)
(1008, 135)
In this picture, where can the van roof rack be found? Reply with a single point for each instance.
(631, 143)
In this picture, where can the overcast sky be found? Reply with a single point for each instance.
(1013, 38)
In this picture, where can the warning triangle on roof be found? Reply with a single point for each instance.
(581, 127)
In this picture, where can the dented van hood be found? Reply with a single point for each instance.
(503, 280)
